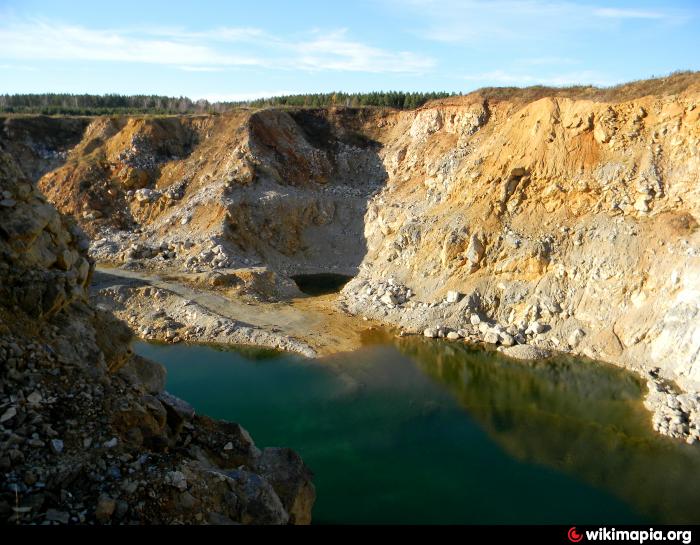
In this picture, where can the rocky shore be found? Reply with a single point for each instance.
(460, 318)
(160, 314)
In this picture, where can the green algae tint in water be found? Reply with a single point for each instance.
(419, 431)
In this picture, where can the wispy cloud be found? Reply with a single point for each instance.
(616, 13)
(41, 40)
(213, 50)
(336, 52)
(491, 21)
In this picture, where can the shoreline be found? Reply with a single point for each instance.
(675, 411)
(162, 306)
(171, 312)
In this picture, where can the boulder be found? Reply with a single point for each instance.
(256, 498)
(145, 373)
(536, 328)
(105, 508)
(507, 339)
(601, 134)
(475, 252)
(453, 296)
(291, 479)
(146, 195)
(575, 337)
(491, 337)
(389, 299)
(177, 480)
(526, 352)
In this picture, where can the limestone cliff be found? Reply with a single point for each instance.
(581, 215)
(226, 191)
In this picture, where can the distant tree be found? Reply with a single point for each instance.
(114, 104)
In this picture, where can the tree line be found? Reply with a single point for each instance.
(114, 104)
(69, 104)
(388, 99)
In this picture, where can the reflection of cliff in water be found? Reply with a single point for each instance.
(581, 417)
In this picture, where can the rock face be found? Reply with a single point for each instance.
(285, 189)
(43, 268)
(40, 144)
(677, 415)
(87, 434)
(567, 221)
(533, 210)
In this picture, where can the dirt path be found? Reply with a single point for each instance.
(314, 320)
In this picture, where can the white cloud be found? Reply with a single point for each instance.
(202, 51)
(40, 40)
(336, 52)
(485, 22)
(615, 13)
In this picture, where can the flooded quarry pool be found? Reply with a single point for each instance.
(415, 431)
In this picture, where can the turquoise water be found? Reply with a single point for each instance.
(419, 431)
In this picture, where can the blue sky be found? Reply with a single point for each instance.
(234, 50)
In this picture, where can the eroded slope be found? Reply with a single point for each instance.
(87, 432)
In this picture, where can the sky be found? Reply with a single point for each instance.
(232, 50)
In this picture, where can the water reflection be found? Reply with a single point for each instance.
(419, 431)
(581, 417)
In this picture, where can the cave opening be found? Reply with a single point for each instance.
(321, 283)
